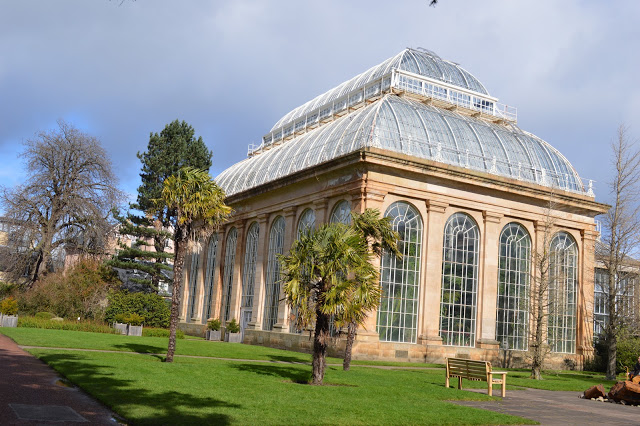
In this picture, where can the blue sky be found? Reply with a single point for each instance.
(231, 69)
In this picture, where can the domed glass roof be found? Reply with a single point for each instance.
(421, 62)
(413, 128)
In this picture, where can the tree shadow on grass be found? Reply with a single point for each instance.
(292, 359)
(142, 349)
(164, 406)
(293, 374)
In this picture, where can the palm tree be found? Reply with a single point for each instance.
(329, 272)
(380, 236)
(200, 207)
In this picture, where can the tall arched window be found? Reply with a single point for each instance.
(306, 223)
(400, 278)
(341, 213)
(512, 321)
(212, 252)
(563, 283)
(193, 279)
(227, 278)
(272, 283)
(249, 271)
(459, 281)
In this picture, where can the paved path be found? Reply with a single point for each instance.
(555, 408)
(31, 393)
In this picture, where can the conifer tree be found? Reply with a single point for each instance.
(175, 147)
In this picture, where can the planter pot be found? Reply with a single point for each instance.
(214, 335)
(121, 327)
(135, 330)
(9, 320)
(233, 337)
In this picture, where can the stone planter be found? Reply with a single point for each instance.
(135, 330)
(9, 320)
(233, 337)
(215, 335)
(121, 327)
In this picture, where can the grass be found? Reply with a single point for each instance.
(145, 390)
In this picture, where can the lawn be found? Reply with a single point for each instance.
(144, 390)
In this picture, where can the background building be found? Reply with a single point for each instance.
(473, 197)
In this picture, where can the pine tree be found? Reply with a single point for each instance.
(169, 151)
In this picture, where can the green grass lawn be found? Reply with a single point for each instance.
(145, 390)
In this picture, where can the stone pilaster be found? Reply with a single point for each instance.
(216, 297)
(320, 209)
(585, 293)
(258, 289)
(488, 284)
(236, 286)
(282, 324)
(430, 321)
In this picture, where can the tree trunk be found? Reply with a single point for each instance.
(351, 334)
(625, 391)
(178, 265)
(320, 339)
(612, 350)
(595, 392)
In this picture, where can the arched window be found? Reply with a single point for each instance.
(307, 221)
(272, 283)
(512, 319)
(227, 278)
(193, 279)
(459, 281)
(249, 271)
(341, 213)
(212, 252)
(400, 278)
(563, 283)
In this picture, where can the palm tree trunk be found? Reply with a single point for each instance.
(178, 266)
(320, 339)
(351, 335)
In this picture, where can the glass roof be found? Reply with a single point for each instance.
(418, 61)
(410, 127)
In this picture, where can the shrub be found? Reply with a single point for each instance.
(160, 332)
(628, 351)
(9, 306)
(134, 319)
(151, 306)
(79, 292)
(44, 315)
(121, 318)
(214, 325)
(90, 326)
(233, 326)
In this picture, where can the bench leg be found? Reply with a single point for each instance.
(490, 388)
(446, 383)
(504, 387)
(459, 382)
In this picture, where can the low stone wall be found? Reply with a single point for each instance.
(367, 347)
(192, 329)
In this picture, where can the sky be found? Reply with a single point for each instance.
(121, 69)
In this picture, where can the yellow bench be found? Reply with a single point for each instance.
(475, 370)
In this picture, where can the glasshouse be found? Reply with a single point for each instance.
(474, 198)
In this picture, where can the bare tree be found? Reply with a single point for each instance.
(541, 280)
(65, 201)
(620, 234)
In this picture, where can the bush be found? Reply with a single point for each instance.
(79, 292)
(9, 306)
(90, 326)
(134, 319)
(214, 325)
(628, 351)
(151, 306)
(160, 332)
(45, 315)
(233, 326)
